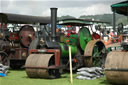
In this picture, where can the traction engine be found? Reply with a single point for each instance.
(14, 45)
(49, 53)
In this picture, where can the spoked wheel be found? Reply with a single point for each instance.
(98, 56)
(4, 59)
(95, 54)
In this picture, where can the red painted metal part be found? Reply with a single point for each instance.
(18, 55)
(56, 52)
(95, 36)
(14, 36)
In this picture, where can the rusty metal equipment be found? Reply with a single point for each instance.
(20, 41)
(14, 48)
(116, 66)
(14, 44)
(49, 52)
(94, 54)
(49, 68)
(35, 63)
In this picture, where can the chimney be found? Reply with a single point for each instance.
(53, 23)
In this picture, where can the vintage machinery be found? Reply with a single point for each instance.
(16, 37)
(49, 52)
(116, 66)
(20, 41)
(116, 63)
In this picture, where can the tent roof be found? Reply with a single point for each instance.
(23, 19)
(121, 8)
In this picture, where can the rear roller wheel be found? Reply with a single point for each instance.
(95, 54)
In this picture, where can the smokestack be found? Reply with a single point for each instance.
(53, 23)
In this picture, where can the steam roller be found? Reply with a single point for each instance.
(42, 64)
(116, 66)
(46, 60)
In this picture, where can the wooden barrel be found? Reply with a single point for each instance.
(116, 67)
(37, 64)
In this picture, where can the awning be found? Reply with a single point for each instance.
(75, 22)
(23, 19)
(120, 8)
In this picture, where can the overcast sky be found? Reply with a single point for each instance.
(65, 7)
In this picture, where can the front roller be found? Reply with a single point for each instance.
(116, 67)
(41, 66)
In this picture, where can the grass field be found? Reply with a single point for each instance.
(19, 77)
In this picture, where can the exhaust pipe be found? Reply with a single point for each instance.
(53, 23)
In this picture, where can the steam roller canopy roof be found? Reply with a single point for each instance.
(23, 19)
(73, 22)
(120, 8)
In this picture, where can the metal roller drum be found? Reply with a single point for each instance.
(116, 67)
(37, 66)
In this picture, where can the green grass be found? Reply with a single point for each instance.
(16, 77)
